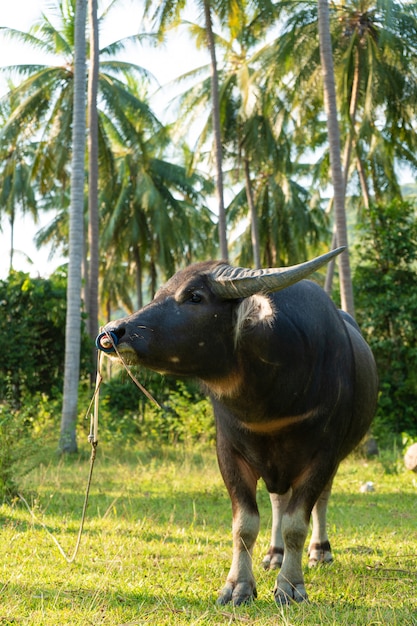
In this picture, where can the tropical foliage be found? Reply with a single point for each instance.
(32, 325)
(154, 210)
(271, 119)
(15, 174)
(386, 294)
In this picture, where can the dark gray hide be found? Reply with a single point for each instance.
(293, 386)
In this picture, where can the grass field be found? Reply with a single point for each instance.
(157, 546)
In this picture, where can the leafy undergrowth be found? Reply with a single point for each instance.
(157, 546)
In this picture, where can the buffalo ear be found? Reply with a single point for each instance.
(257, 309)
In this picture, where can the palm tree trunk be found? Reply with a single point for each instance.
(138, 276)
(68, 441)
(353, 107)
(364, 183)
(93, 222)
(253, 217)
(11, 221)
(217, 133)
(347, 155)
(346, 290)
(153, 273)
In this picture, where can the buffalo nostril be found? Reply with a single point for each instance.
(119, 332)
(106, 341)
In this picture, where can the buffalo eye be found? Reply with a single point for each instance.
(195, 297)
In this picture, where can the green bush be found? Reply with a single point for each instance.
(32, 331)
(385, 282)
(9, 435)
(126, 414)
(32, 326)
(181, 419)
(21, 440)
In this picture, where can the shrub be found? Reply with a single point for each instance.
(20, 441)
(385, 283)
(181, 419)
(185, 414)
(32, 324)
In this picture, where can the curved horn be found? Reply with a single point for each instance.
(236, 282)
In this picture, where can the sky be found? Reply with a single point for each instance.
(166, 63)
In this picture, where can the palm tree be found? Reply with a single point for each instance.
(376, 85)
(168, 13)
(93, 156)
(16, 189)
(256, 130)
(68, 441)
(379, 64)
(217, 130)
(235, 89)
(45, 101)
(158, 219)
(346, 288)
(44, 98)
(374, 68)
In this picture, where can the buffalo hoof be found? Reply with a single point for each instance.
(274, 558)
(240, 593)
(319, 554)
(286, 593)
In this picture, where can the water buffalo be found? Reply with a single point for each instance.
(293, 385)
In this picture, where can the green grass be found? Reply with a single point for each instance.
(157, 546)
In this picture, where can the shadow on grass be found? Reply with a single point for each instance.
(209, 507)
(85, 600)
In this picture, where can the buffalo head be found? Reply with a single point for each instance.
(193, 323)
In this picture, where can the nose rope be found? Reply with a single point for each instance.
(107, 342)
(93, 436)
(110, 341)
(93, 440)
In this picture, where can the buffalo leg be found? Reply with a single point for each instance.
(275, 555)
(241, 483)
(319, 550)
(307, 496)
(290, 582)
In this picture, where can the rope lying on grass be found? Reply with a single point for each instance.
(93, 440)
